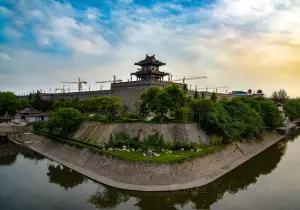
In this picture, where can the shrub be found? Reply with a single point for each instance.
(8, 103)
(64, 121)
(292, 108)
(154, 141)
(162, 100)
(231, 119)
(267, 109)
(184, 114)
(216, 140)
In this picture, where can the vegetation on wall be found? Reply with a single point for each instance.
(227, 119)
(236, 119)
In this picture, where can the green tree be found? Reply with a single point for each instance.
(8, 103)
(196, 95)
(245, 120)
(75, 103)
(214, 97)
(108, 106)
(280, 96)
(201, 108)
(161, 100)
(147, 100)
(177, 95)
(292, 108)
(64, 121)
(267, 109)
(24, 102)
(230, 119)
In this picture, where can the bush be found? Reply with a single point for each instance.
(40, 126)
(246, 122)
(216, 140)
(162, 100)
(292, 108)
(129, 117)
(8, 103)
(184, 114)
(267, 109)
(64, 121)
(201, 108)
(178, 145)
(121, 139)
(108, 106)
(155, 141)
(231, 119)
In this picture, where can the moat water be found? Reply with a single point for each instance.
(29, 181)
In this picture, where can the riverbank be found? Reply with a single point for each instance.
(145, 176)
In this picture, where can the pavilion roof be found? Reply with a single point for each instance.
(149, 60)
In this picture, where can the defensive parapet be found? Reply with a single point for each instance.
(75, 95)
(129, 92)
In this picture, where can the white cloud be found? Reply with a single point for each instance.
(79, 37)
(92, 13)
(236, 43)
(4, 57)
(5, 12)
(56, 24)
(126, 1)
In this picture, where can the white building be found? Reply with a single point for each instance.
(31, 115)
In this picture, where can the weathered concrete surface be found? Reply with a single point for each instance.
(99, 133)
(143, 176)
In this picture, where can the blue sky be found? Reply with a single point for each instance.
(236, 43)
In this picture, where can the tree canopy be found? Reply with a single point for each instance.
(107, 106)
(8, 103)
(161, 100)
(280, 96)
(63, 121)
(292, 108)
(238, 118)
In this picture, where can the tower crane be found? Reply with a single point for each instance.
(189, 78)
(62, 89)
(79, 83)
(212, 88)
(109, 81)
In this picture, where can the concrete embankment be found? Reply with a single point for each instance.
(98, 133)
(143, 176)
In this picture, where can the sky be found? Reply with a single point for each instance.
(239, 44)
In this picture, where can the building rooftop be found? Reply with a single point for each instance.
(149, 61)
(29, 110)
(150, 70)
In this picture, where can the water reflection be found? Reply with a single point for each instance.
(64, 177)
(56, 186)
(201, 198)
(108, 198)
(9, 153)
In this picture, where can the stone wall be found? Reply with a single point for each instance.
(99, 133)
(128, 92)
(75, 95)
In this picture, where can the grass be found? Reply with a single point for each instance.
(175, 156)
(164, 157)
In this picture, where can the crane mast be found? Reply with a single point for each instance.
(78, 83)
(189, 78)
